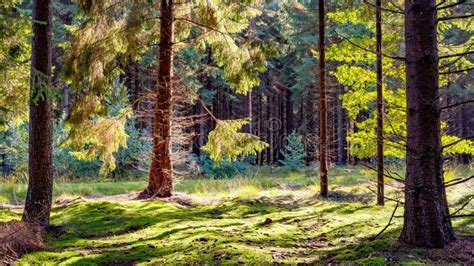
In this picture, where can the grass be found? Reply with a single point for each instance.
(13, 191)
(226, 224)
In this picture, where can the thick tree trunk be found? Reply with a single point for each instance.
(323, 172)
(426, 219)
(160, 183)
(40, 185)
(380, 105)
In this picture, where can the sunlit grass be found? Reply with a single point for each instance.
(230, 227)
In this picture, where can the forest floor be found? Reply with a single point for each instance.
(243, 220)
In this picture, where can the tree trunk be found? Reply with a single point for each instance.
(323, 172)
(341, 136)
(426, 219)
(380, 105)
(160, 183)
(289, 111)
(40, 185)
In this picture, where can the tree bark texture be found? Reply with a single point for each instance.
(323, 172)
(160, 183)
(426, 219)
(40, 184)
(380, 105)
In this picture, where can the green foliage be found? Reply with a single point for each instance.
(225, 169)
(131, 157)
(15, 50)
(14, 142)
(99, 137)
(355, 70)
(294, 153)
(225, 142)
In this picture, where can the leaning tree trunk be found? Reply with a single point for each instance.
(380, 105)
(160, 183)
(323, 171)
(426, 218)
(40, 184)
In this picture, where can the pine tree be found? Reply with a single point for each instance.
(40, 185)
(293, 153)
(426, 217)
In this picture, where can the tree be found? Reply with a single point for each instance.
(40, 185)
(117, 30)
(160, 182)
(426, 219)
(293, 153)
(380, 104)
(323, 171)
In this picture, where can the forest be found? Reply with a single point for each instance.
(163, 132)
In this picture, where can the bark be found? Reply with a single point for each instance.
(160, 183)
(323, 172)
(248, 111)
(40, 184)
(464, 117)
(341, 136)
(426, 219)
(380, 105)
(289, 111)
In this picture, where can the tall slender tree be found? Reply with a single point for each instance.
(160, 182)
(40, 185)
(426, 219)
(323, 171)
(380, 104)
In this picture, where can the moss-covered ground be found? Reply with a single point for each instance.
(280, 220)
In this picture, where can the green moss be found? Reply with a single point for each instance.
(276, 223)
(372, 261)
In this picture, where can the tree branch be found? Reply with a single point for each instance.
(385, 197)
(455, 104)
(462, 207)
(389, 223)
(456, 71)
(439, 7)
(383, 9)
(386, 175)
(368, 50)
(458, 54)
(456, 142)
(455, 17)
(450, 184)
(462, 215)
